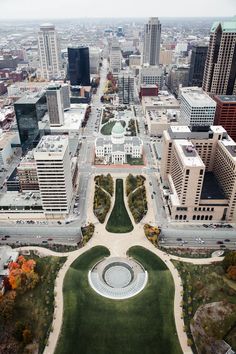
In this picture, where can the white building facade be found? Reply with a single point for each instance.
(196, 107)
(54, 174)
(116, 148)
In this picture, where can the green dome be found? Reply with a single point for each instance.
(118, 129)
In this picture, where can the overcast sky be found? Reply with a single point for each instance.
(34, 9)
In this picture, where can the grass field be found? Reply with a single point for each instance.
(107, 128)
(143, 324)
(119, 220)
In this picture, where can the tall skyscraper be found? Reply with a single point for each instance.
(152, 41)
(49, 52)
(78, 66)
(55, 104)
(220, 68)
(54, 173)
(198, 59)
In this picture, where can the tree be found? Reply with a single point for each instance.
(7, 304)
(231, 272)
(229, 260)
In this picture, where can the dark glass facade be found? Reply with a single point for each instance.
(29, 112)
(78, 66)
(198, 58)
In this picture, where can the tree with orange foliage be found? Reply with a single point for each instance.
(22, 275)
(231, 272)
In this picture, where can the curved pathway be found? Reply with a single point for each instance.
(118, 245)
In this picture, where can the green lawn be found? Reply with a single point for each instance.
(143, 324)
(119, 220)
(107, 128)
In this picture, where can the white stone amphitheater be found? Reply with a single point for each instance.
(118, 278)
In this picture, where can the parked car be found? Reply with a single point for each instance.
(179, 239)
(226, 240)
(219, 242)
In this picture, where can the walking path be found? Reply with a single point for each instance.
(118, 245)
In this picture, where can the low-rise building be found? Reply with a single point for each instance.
(7, 142)
(116, 148)
(160, 112)
(27, 173)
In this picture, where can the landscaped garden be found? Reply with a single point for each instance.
(107, 128)
(26, 309)
(208, 286)
(142, 324)
(152, 233)
(102, 196)
(132, 127)
(87, 232)
(105, 182)
(119, 220)
(136, 193)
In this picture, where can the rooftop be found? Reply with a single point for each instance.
(180, 129)
(6, 138)
(188, 154)
(73, 118)
(160, 101)
(197, 97)
(227, 98)
(227, 26)
(30, 98)
(211, 189)
(52, 144)
(19, 201)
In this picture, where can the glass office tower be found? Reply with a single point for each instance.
(29, 111)
(78, 66)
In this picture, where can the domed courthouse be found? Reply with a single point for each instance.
(115, 148)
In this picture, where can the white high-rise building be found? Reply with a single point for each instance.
(55, 104)
(54, 174)
(49, 52)
(196, 107)
(152, 41)
(115, 58)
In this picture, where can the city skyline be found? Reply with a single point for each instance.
(11, 9)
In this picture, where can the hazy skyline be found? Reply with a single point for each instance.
(28, 9)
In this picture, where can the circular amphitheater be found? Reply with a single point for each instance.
(118, 278)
